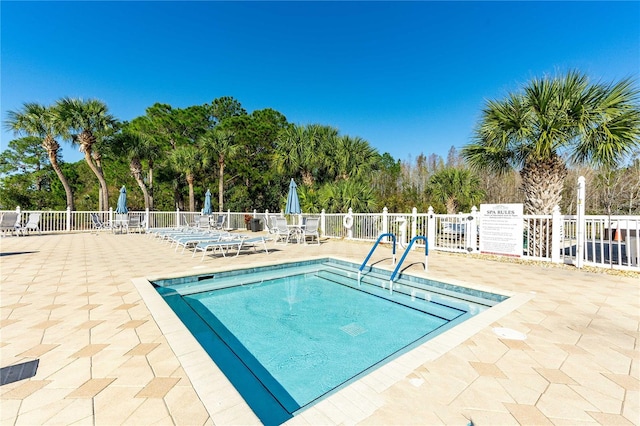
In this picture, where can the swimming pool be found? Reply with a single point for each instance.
(288, 335)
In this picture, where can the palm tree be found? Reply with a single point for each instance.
(219, 146)
(84, 122)
(455, 188)
(187, 159)
(555, 117)
(135, 146)
(290, 159)
(39, 121)
(551, 119)
(353, 157)
(305, 151)
(347, 194)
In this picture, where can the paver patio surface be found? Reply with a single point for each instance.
(70, 302)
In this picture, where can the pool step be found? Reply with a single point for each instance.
(418, 300)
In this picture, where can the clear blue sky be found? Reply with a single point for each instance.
(409, 77)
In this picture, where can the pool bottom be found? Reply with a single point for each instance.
(311, 335)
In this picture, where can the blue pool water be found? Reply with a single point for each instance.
(288, 335)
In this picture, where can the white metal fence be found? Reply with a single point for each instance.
(602, 241)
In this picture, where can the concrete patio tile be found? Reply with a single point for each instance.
(484, 393)
(77, 412)
(554, 375)
(90, 388)
(22, 389)
(488, 369)
(89, 350)
(610, 419)
(129, 371)
(526, 390)
(115, 404)
(189, 409)
(158, 387)
(527, 414)
(562, 402)
(69, 374)
(38, 350)
(628, 383)
(44, 412)
(142, 349)
(631, 407)
(151, 411)
(9, 409)
(606, 403)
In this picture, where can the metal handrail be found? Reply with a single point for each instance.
(404, 255)
(380, 237)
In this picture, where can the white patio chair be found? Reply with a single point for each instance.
(33, 223)
(10, 222)
(282, 230)
(219, 224)
(311, 229)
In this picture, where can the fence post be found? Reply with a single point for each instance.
(110, 214)
(68, 219)
(350, 230)
(229, 218)
(431, 228)
(580, 223)
(178, 217)
(472, 229)
(385, 222)
(414, 222)
(322, 221)
(147, 219)
(557, 234)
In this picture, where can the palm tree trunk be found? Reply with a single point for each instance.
(52, 147)
(150, 175)
(104, 190)
(63, 180)
(192, 198)
(451, 205)
(542, 182)
(220, 184)
(136, 170)
(101, 181)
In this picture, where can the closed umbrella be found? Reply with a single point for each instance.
(207, 203)
(293, 203)
(122, 201)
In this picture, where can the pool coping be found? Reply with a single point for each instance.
(351, 404)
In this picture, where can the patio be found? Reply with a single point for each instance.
(69, 301)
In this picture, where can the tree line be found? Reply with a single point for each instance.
(529, 147)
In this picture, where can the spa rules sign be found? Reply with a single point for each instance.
(501, 229)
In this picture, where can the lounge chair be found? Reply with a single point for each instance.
(282, 230)
(311, 230)
(10, 222)
(226, 245)
(195, 239)
(33, 223)
(98, 224)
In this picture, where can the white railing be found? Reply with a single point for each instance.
(607, 241)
